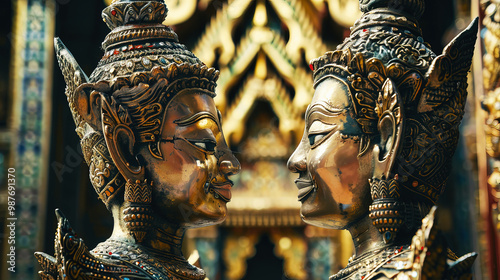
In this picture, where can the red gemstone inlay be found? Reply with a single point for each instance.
(138, 47)
(110, 253)
(311, 66)
(113, 12)
(365, 30)
(116, 52)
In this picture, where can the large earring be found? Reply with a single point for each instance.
(385, 210)
(138, 212)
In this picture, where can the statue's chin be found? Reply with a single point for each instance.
(328, 215)
(323, 222)
(318, 217)
(205, 222)
(206, 216)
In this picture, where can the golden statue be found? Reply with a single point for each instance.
(379, 137)
(151, 135)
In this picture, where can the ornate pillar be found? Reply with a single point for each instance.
(327, 250)
(320, 255)
(209, 256)
(31, 79)
(206, 242)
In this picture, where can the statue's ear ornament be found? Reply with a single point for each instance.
(385, 210)
(448, 72)
(120, 138)
(88, 105)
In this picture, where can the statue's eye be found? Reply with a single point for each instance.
(314, 138)
(207, 145)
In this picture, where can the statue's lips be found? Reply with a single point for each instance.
(305, 188)
(223, 190)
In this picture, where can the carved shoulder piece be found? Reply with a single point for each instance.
(428, 257)
(429, 248)
(73, 260)
(49, 266)
(432, 257)
(461, 268)
(447, 75)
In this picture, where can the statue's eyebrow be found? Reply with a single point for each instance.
(189, 120)
(219, 115)
(323, 108)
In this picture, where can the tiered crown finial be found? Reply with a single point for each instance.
(138, 40)
(414, 8)
(124, 12)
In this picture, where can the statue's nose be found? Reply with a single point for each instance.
(229, 165)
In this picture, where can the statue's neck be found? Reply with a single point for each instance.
(163, 240)
(161, 247)
(366, 237)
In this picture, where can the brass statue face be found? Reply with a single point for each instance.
(191, 185)
(333, 179)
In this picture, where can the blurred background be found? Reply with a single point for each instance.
(262, 49)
